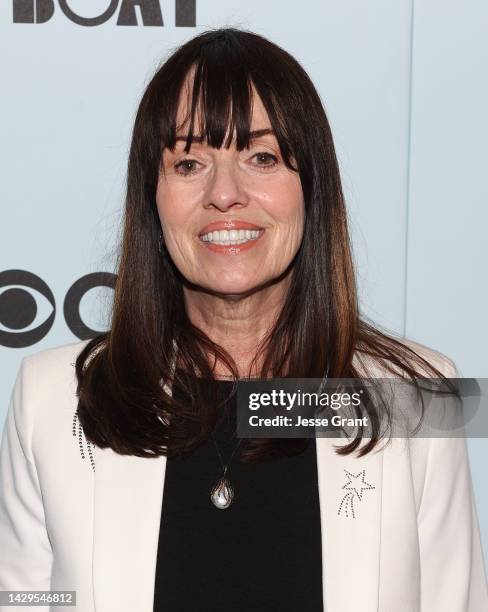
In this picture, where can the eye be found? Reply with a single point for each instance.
(186, 166)
(265, 160)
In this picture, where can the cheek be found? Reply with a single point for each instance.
(171, 211)
(289, 210)
(175, 212)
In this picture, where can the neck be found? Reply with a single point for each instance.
(237, 323)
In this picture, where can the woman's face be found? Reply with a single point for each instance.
(232, 221)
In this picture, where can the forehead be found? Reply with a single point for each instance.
(258, 117)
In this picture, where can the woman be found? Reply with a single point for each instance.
(235, 263)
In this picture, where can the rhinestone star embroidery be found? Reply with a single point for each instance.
(355, 486)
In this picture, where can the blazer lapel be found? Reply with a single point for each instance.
(127, 512)
(350, 511)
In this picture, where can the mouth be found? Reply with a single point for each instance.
(230, 236)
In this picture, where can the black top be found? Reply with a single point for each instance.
(261, 554)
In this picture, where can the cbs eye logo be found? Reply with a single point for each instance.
(19, 306)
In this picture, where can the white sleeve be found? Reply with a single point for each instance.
(453, 575)
(25, 549)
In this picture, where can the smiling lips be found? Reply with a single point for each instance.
(230, 236)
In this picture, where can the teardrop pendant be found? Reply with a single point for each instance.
(222, 495)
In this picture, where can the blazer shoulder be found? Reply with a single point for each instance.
(52, 361)
(441, 361)
(46, 382)
(369, 366)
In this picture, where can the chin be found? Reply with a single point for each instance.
(233, 286)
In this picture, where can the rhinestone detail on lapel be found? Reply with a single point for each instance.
(82, 441)
(77, 431)
(354, 486)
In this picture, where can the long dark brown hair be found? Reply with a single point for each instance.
(122, 403)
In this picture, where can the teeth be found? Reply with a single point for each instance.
(230, 236)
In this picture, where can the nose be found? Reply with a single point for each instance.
(225, 188)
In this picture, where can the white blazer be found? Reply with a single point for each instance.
(410, 544)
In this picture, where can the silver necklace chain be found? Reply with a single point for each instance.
(225, 466)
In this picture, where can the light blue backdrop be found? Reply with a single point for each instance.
(405, 90)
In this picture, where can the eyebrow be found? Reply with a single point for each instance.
(252, 135)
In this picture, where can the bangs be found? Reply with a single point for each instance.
(219, 89)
